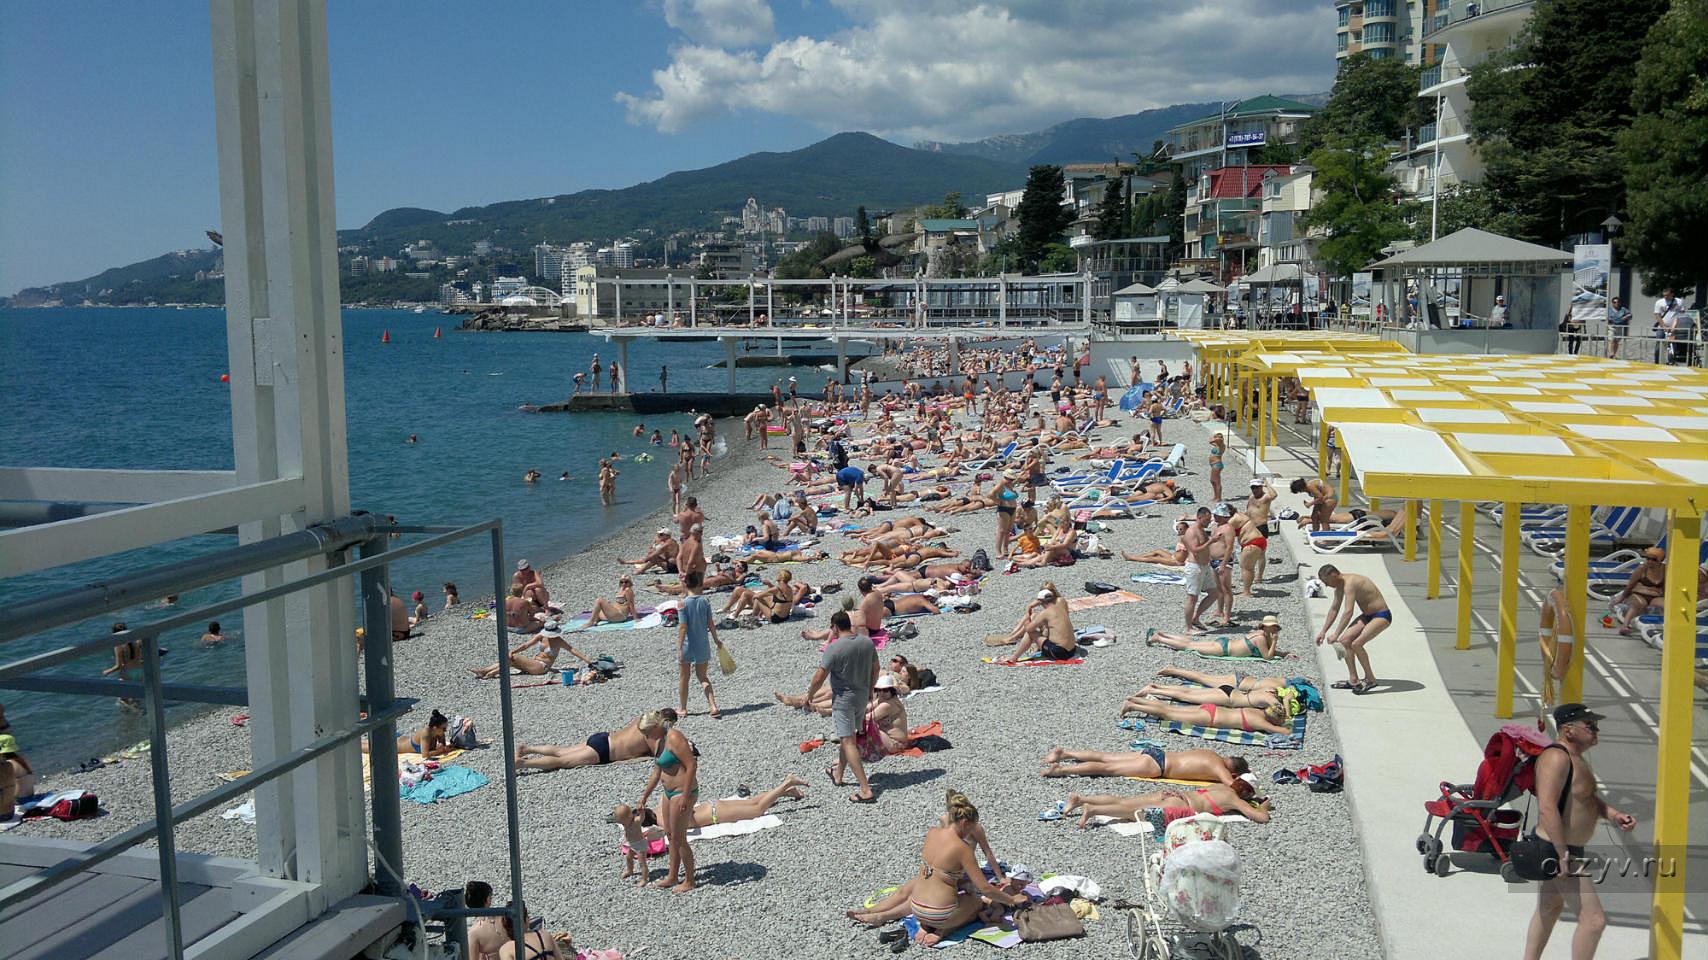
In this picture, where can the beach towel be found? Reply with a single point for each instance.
(1251, 738)
(1159, 578)
(447, 782)
(1033, 662)
(1217, 656)
(1102, 600)
(1132, 828)
(914, 693)
(735, 828)
(647, 621)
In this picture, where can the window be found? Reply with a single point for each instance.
(1378, 33)
(1345, 15)
(1378, 8)
(1340, 41)
(1379, 53)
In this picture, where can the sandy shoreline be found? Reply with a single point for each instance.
(781, 892)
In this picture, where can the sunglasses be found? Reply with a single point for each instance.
(1592, 727)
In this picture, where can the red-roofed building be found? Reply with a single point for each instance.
(1222, 211)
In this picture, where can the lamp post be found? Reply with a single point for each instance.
(1609, 227)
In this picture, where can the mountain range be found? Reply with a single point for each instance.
(1089, 139)
(830, 178)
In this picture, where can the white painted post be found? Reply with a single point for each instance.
(770, 303)
(1002, 300)
(273, 120)
(842, 358)
(729, 360)
(622, 364)
(750, 311)
(693, 300)
(617, 283)
(670, 297)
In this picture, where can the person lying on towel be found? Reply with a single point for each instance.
(643, 838)
(1174, 803)
(1272, 719)
(1150, 762)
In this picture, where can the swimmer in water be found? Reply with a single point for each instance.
(657, 439)
(675, 439)
(615, 456)
(532, 476)
(640, 430)
(564, 476)
(411, 438)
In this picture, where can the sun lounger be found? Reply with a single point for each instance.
(1366, 532)
(1550, 541)
(995, 459)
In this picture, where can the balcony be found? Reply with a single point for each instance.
(1447, 129)
(1441, 73)
(1458, 15)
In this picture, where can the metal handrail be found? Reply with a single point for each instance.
(383, 709)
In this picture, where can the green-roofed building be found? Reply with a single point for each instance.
(1247, 125)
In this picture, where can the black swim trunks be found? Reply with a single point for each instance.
(1053, 652)
(601, 744)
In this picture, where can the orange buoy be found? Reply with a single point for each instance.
(225, 378)
(437, 333)
(385, 336)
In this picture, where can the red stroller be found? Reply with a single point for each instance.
(1480, 824)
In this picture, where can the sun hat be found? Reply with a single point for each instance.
(1223, 510)
(884, 682)
(664, 531)
(8, 743)
(523, 565)
(551, 629)
(1270, 621)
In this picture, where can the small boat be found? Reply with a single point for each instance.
(419, 310)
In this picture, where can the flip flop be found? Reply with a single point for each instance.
(1341, 685)
(856, 798)
(1055, 812)
(1285, 776)
(891, 936)
(1363, 688)
(1130, 723)
(832, 777)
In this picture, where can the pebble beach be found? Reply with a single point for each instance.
(781, 892)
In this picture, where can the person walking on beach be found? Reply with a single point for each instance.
(692, 647)
(1569, 805)
(1200, 581)
(850, 663)
(1374, 616)
(674, 483)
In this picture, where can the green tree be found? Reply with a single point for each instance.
(1370, 98)
(862, 224)
(1058, 258)
(1042, 216)
(862, 267)
(1357, 210)
(1111, 211)
(805, 263)
(1547, 115)
(1666, 151)
(950, 209)
(1465, 205)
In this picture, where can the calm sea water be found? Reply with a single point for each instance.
(139, 388)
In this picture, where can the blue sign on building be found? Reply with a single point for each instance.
(1250, 138)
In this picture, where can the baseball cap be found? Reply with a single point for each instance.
(1574, 713)
(1250, 778)
(1257, 481)
(664, 531)
(885, 682)
(1045, 595)
(417, 595)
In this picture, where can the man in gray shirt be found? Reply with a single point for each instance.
(850, 663)
(695, 634)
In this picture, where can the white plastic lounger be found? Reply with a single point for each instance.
(1366, 532)
(996, 458)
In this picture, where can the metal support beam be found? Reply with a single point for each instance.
(1433, 578)
(1508, 637)
(1672, 753)
(1411, 531)
(693, 301)
(729, 361)
(1467, 553)
(110, 486)
(1322, 452)
(622, 365)
(670, 299)
(377, 659)
(1577, 597)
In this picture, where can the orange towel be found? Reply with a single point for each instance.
(932, 729)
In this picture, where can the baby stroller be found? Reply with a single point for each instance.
(1191, 879)
(1477, 811)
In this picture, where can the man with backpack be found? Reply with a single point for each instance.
(1569, 805)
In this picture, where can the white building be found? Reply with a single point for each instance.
(818, 224)
(507, 287)
(622, 254)
(777, 221)
(1444, 156)
(1286, 199)
(1384, 29)
(843, 227)
(548, 261)
(752, 218)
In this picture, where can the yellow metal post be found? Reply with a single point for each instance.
(1275, 412)
(1375, 505)
(1508, 639)
(1322, 451)
(1467, 552)
(1672, 754)
(1434, 563)
(1577, 596)
(1345, 472)
(1411, 531)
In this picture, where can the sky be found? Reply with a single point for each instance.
(107, 142)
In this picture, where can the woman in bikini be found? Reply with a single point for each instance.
(676, 768)
(535, 944)
(601, 748)
(429, 741)
(1173, 804)
(1163, 558)
(1260, 644)
(550, 640)
(620, 610)
(946, 862)
(1149, 763)
(1643, 589)
(1007, 501)
(1271, 719)
(730, 575)
(1218, 449)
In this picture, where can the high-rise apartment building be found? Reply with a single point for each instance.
(818, 224)
(843, 227)
(1384, 28)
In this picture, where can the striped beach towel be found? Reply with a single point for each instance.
(1102, 600)
(1250, 738)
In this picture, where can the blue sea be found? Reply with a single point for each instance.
(139, 388)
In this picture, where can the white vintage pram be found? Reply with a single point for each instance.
(1191, 883)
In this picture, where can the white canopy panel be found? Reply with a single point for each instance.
(1617, 400)
(1696, 471)
(1356, 398)
(1616, 432)
(1437, 396)
(1450, 415)
(1505, 390)
(1325, 373)
(1470, 378)
(1675, 422)
(1397, 448)
(1551, 406)
(1513, 443)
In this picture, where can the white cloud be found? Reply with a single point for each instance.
(959, 69)
(722, 23)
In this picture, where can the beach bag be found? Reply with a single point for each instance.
(1042, 922)
(1097, 586)
(460, 733)
(981, 560)
(726, 662)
